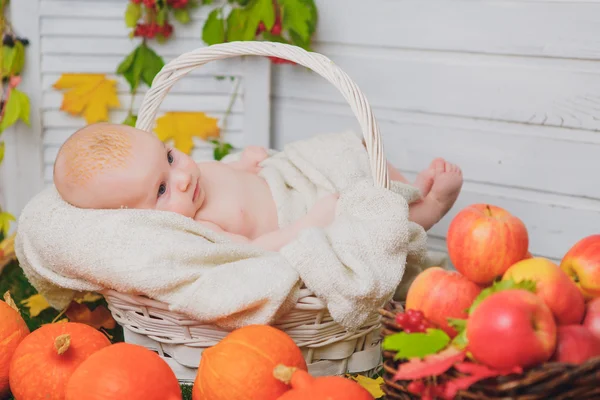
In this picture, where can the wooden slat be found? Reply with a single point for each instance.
(205, 85)
(59, 119)
(111, 28)
(532, 91)
(541, 28)
(107, 64)
(172, 102)
(543, 159)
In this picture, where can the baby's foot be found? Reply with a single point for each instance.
(447, 182)
(424, 179)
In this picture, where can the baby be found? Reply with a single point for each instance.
(108, 166)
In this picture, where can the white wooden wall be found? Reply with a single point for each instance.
(507, 89)
(90, 36)
(510, 90)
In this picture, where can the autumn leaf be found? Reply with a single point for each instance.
(36, 304)
(473, 373)
(373, 386)
(431, 365)
(180, 127)
(99, 318)
(418, 344)
(9, 300)
(88, 94)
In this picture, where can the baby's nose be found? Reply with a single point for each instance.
(183, 180)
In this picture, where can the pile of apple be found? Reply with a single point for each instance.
(557, 319)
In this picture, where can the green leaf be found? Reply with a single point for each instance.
(141, 64)
(243, 22)
(411, 345)
(18, 61)
(498, 286)
(132, 14)
(17, 107)
(221, 150)
(213, 31)
(2, 148)
(161, 16)
(460, 325)
(8, 55)
(182, 15)
(297, 17)
(5, 219)
(153, 63)
(130, 120)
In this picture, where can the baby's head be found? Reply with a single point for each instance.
(107, 166)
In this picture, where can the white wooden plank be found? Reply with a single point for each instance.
(60, 119)
(188, 84)
(172, 102)
(102, 27)
(553, 228)
(257, 102)
(55, 137)
(497, 153)
(99, 9)
(23, 162)
(103, 46)
(532, 91)
(93, 63)
(556, 29)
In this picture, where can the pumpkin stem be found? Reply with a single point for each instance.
(9, 300)
(283, 373)
(62, 343)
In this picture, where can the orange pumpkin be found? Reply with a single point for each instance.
(44, 361)
(305, 386)
(123, 371)
(241, 365)
(13, 330)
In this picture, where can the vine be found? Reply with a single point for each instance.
(14, 104)
(284, 21)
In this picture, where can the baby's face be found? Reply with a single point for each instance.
(144, 174)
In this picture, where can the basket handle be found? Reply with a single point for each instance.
(186, 62)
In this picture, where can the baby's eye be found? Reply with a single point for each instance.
(162, 189)
(170, 156)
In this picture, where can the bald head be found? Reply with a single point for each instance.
(87, 155)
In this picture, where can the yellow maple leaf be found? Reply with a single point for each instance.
(88, 94)
(373, 386)
(182, 126)
(36, 304)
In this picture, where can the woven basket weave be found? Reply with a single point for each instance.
(548, 381)
(327, 347)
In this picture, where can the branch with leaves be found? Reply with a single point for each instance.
(14, 104)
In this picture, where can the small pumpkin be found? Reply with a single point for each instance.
(241, 365)
(123, 371)
(44, 361)
(13, 330)
(305, 386)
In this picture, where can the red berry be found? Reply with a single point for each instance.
(149, 3)
(401, 319)
(276, 29)
(261, 28)
(408, 330)
(422, 327)
(166, 30)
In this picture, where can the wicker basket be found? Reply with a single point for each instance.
(549, 381)
(327, 347)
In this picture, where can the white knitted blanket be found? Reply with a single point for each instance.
(354, 265)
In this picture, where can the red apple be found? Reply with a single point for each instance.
(441, 294)
(553, 286)
(511, 328)
(575, 344)
(592, 317)
(484, 240)
(582, 264)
